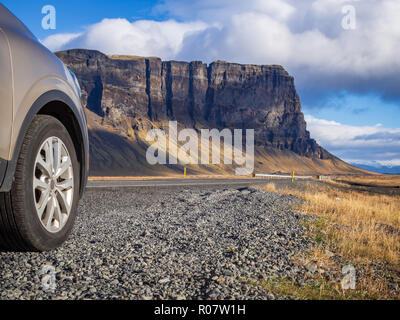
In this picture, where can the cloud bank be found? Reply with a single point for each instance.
(355, 143)
(119, 36)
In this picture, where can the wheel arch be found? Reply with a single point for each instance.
(57, 104)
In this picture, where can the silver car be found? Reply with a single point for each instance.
(43, 142)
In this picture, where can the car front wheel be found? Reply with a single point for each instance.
(39, 212)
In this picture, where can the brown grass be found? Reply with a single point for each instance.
(362, 228)
(270, 187)
(318, 290)
(379, 180)
(129, 57)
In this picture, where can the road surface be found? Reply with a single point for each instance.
(98, 185)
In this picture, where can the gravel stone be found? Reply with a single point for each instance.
(167, 243)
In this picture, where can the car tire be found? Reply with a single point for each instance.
(39, 212)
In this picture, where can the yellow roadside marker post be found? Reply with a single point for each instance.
(293, 176)
(185, 174)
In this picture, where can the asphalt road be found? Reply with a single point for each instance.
(99, 185)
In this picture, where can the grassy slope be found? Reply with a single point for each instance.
(113, 154)
(377, 180)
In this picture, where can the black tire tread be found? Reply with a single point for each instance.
(11, 238)
(12, 234)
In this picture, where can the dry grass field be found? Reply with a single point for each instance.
(362, 228)
(379, 180)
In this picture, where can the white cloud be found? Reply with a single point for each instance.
(58, 41)
(119, 36)
(305, 29)
(356, 143)
(222, 10)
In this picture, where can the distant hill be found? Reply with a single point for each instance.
(379, 168)
(125, 96)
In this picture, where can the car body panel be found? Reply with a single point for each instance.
(6, 95)
(35, 77)
(50, 96)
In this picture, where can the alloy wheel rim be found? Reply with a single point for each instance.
(53, 184)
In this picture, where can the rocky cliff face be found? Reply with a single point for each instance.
(133, 93)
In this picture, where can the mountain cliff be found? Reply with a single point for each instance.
(126, 95)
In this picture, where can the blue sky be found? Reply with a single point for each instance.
(70, 19)
(347, 79)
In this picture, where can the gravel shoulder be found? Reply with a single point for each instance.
(167, 243)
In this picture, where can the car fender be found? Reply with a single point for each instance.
(21, 128)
